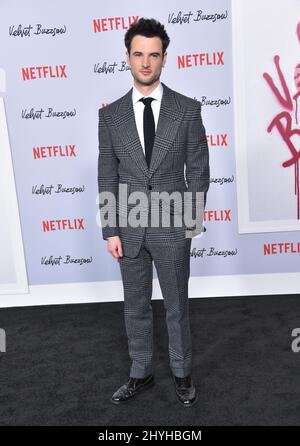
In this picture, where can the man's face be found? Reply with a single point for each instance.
(146, 59)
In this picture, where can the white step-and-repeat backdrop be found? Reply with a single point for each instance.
(62, 60)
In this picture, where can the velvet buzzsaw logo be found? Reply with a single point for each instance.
(283, 121)
(134, 210)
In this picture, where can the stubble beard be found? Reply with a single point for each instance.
(148, 82)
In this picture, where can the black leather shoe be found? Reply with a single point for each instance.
(185, 390)
(131, 389)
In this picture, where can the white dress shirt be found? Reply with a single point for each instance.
(138, 108)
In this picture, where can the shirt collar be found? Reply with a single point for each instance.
(156, 93)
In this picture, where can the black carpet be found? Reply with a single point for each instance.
(63, 362)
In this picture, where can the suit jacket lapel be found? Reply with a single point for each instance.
(170, 116)
(125, 125)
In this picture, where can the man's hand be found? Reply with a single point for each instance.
(114, 246)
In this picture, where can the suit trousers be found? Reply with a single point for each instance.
(172, 263)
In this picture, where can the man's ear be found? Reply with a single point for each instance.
(127, 57)
(165, 58)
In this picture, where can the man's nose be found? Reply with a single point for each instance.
(145, 62)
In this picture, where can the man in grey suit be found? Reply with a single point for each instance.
(152, 140)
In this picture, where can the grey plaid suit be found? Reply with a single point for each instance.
(180, 143)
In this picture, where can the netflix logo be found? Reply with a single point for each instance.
(220, 215)
(217, 140)
(113, 23)
(76, 224)
(54, 151)
(281, 248)
(201, 59)
(44, 72)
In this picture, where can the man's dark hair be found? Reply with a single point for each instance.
(147, 28)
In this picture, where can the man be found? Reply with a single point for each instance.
(146, 140)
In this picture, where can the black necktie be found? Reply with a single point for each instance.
(149, 128)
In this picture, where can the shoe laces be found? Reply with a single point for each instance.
(132, 382)
(183, 382)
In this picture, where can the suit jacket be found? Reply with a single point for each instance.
(180, 162)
